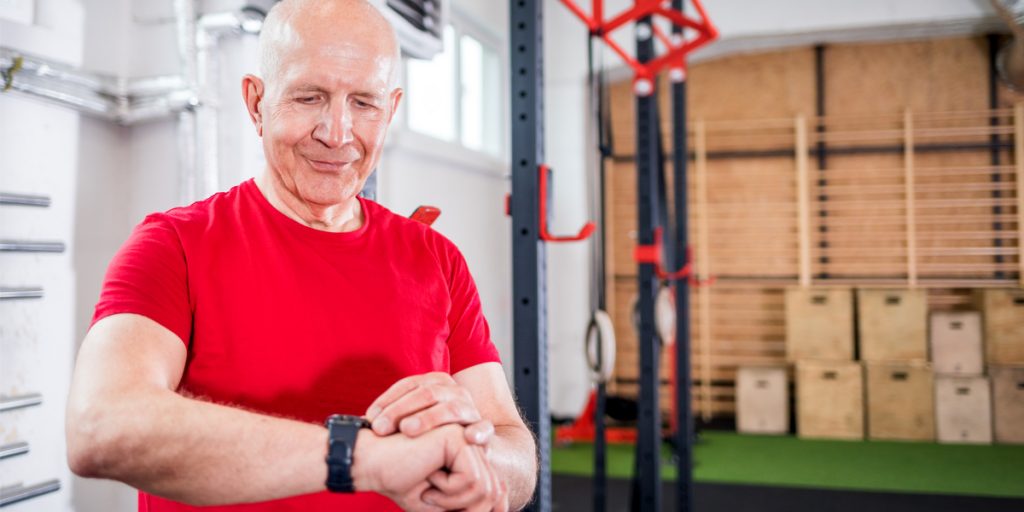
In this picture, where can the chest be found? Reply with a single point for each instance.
(309, 331)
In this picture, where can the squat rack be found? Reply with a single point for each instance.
(527, 206)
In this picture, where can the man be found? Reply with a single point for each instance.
(229, 330)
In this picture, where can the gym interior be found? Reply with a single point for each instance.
(734, 255)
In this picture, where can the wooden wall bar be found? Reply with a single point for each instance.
(912, 197)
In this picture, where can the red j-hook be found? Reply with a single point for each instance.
(585, 231)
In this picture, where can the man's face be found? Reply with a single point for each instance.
(326, 110)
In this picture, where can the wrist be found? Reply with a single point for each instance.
(364, 475)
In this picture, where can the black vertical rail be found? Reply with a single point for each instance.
(528, 256)
(995, 158)
(683, 401)
(819, 109)
(600, 480)
(648, 447)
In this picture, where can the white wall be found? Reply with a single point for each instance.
(39, 146)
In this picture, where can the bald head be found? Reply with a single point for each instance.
(290, 23)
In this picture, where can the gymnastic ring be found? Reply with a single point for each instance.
(600, 330)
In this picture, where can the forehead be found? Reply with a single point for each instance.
(327, 59)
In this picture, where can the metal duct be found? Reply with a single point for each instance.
(1010, 60)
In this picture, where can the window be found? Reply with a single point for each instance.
(429, 85)
(458, 95)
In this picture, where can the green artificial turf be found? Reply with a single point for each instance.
(994, 470)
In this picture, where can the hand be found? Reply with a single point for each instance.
(407, 470)
(472, 485)
(421, 403)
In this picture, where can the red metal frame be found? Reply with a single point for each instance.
(677, 50)
(582, 430)
(584, 232)
(653, 254)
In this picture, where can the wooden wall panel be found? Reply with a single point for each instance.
(885, 78)
(859, 220)
(776, 84)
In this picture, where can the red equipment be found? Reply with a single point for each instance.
(644, 73)
(425, 214)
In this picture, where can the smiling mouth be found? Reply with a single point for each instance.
(327, 165)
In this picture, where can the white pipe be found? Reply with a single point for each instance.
(188, 165)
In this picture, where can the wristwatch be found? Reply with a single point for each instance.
(342, 431)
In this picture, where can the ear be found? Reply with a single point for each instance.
(252, 93)
(396, 98)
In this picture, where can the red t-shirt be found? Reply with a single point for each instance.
(285, 319)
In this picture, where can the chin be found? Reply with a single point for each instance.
(334, 190)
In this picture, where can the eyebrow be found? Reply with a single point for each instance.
(305, 88)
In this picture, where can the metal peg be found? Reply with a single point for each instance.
(12, 449)
(16, 493)
(21, 293)
(9, 403)
(9, 199)
(30, 246)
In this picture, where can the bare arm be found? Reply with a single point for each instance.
(513, 451)
(126, 422)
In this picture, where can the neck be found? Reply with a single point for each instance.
(336, 218)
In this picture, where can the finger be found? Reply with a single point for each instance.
(412, 500)
(401, 387)
(497, 494)
(454, 406)
(490, 498)
(480, 433)
(502, 504)
(469, 470)
(450, 484)
(416, 399)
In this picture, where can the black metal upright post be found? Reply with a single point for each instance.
(684, 409)
(648, 445)
(528, 256)
(822, 154)
(995, 156)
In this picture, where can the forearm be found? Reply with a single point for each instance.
(513, 455)
(195, 452)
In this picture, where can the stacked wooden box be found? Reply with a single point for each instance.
(952, 376)
(1002, 315)
(893, 327)
(963, 410)
(829, 383)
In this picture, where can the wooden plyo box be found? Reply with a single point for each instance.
(955, 338)
(1002, 313)
(830, 399)
(1007, 403)
(762, 400)
(963, 410)
(901, 401)
(893, 325)
(819, 324)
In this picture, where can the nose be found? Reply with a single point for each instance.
(334, 128)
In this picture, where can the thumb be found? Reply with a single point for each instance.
(480, 433)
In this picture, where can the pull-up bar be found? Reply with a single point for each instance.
(678, 47)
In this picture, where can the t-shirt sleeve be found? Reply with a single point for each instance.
(469, 341)
(148, 277)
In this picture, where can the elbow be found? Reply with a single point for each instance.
(91, 439)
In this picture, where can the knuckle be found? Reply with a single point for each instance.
(429, 393)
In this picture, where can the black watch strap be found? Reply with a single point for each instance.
(342, 431)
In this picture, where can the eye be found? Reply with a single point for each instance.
(364, 104)
(308, 100)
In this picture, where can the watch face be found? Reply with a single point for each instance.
(347, 419)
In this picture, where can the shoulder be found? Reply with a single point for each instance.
(200, 217)
(414, 234)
